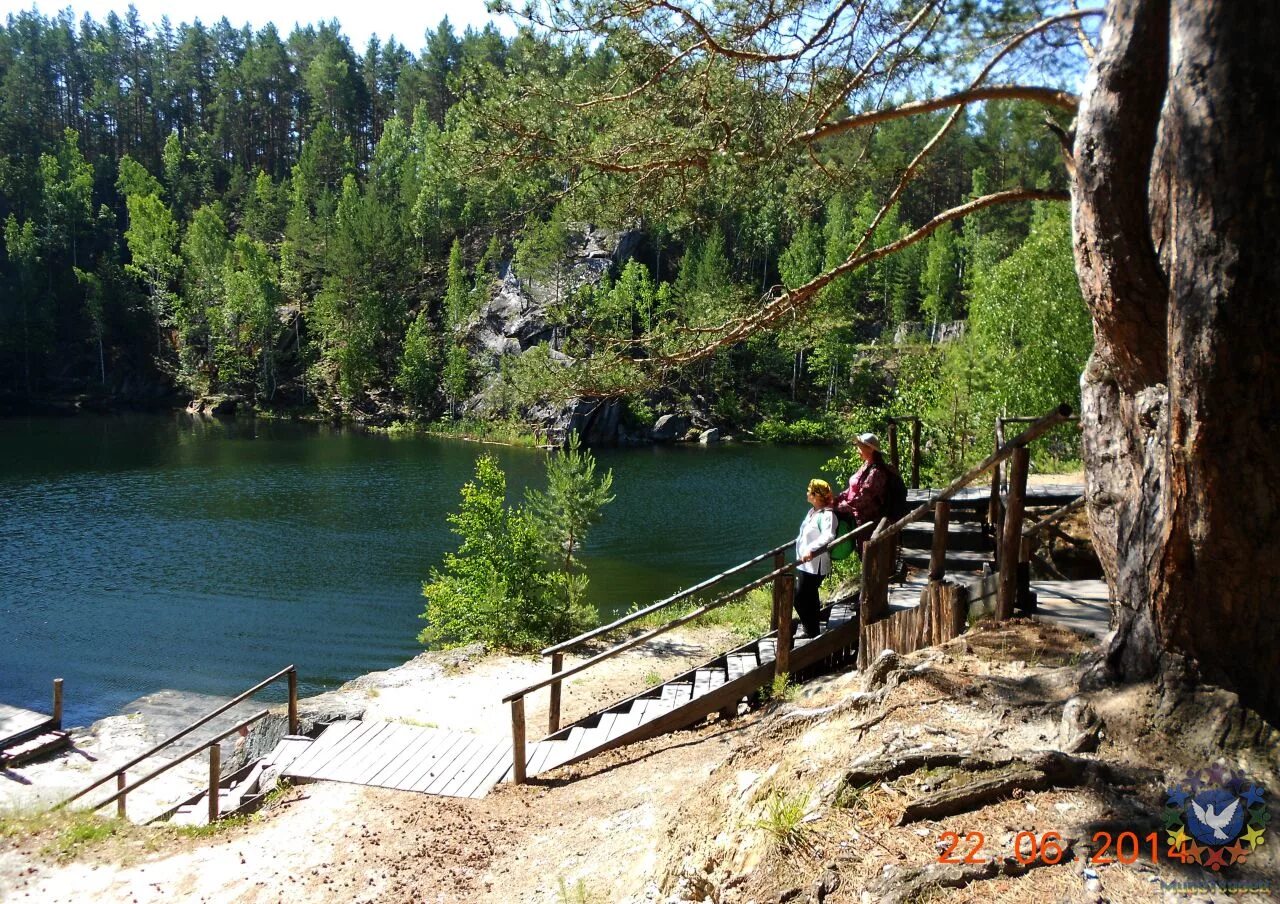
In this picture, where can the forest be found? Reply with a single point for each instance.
(193, 210)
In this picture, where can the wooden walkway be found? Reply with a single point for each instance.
(457, 764)
(17, 725)
(404, 757)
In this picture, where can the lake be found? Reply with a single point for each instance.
(144, 553)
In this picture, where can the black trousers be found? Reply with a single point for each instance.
(807, 603)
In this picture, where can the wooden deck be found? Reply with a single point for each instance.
(404, 757)
(17, 725)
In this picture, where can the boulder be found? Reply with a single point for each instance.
(709, 437)
(669, 428)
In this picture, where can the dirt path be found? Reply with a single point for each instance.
(753, 809)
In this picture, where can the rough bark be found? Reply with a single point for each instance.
(1176, 184)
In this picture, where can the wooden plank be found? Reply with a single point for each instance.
(540, 754)
(701, 682)
(425, 768)
(339, 758)
(414, 741)
(474, 780)
(340, 770)
(320, 747)
(684, 693)
(394, 773)
(471, 755)
(428, 768)
(606, 722)
(768, 650)
(404, 775)
(34, 748)
(668, 693)
(626, 721)
(388, 745)
(18, 725)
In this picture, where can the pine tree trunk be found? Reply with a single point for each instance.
(1175, 184)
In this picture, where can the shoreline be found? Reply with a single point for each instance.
(460, 689)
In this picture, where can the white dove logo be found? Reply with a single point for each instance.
(1216, 821)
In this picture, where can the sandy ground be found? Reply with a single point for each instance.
(685, 817)
(327, 841)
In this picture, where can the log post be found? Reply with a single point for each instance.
(938, 555)
(215, 774)
(57, 702)
(959, 611)
(518, 754)
(993, 508)
(1011, 541)
(782, 657)
(779, 560)
(893, 445)
(553, 711)
(293, 701)
(915, 454)
(120, 783)
(874, 603)
(1026, 597)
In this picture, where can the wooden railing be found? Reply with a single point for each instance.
(120, 773)
(781, 618)
(881, 550)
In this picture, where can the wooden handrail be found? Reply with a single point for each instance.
(1056, 515)
(675, 622)
(875, 585)
(293, 728)
(1035, 431)
(660, 604)
(181, 759)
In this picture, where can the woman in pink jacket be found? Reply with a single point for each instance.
(864, 500)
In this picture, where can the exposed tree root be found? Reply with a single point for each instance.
(913, 884)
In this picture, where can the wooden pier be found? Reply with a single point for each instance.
(26, 735)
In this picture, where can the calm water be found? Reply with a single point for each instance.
(148, 553)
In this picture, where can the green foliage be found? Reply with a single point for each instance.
(799, 431)
(571, 504)
(514, 582)
(420, 363)
(783, 821)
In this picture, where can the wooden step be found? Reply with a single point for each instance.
(741, 663)
(956, 560)
(34, 748)
(969, 537)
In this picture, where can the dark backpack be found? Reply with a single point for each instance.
(895, 496)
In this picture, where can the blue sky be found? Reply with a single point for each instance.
(406, 21)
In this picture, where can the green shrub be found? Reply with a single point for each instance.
(514, 582)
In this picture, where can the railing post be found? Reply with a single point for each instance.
(215, 776)
(57, 702)
(779, 560)
(893, 445)
(120, 783)
(993, 508)
(915, 454)
(293, 701)
(553, 712)
(1026, 597)
(874, 602)
(938, 555)
(1011, 541)
(782, 656)
(518, 754)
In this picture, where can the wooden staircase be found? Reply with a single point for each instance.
(692, 696)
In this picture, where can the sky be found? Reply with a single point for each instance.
(407, 21)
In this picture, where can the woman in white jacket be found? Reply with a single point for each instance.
(813, 561)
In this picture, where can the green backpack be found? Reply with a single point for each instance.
(846, 547)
